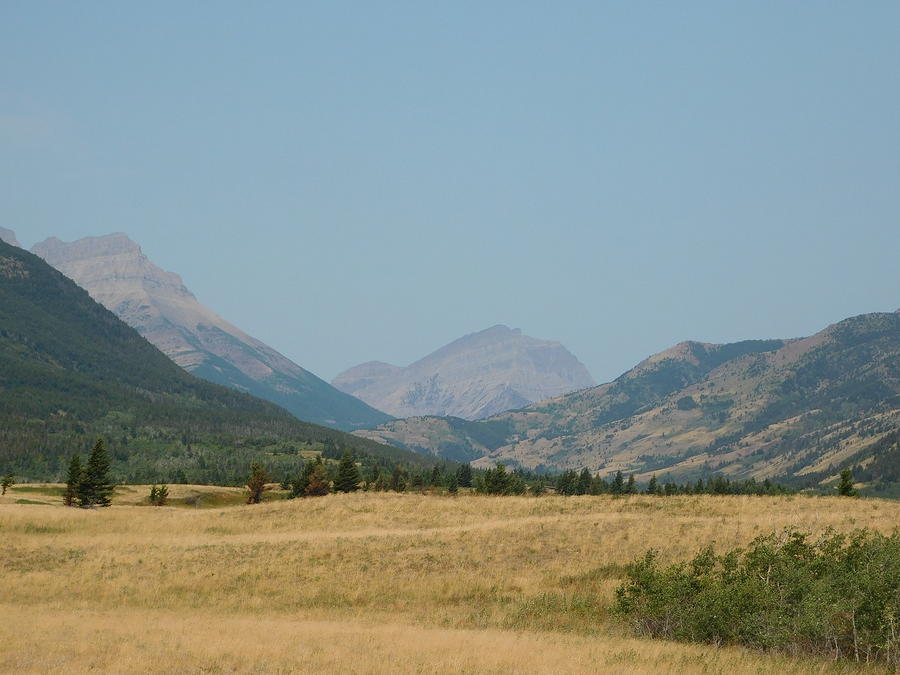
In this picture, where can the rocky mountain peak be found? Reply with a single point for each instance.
(475, 376)
(9, 237)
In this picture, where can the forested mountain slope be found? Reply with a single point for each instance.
(117, 274)
(71, 370)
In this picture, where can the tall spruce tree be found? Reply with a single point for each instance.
(630, 486)
(464, 475)
(348, 474)
(73, 481)
(96, 488)
(653, 486)
(845, 486)
(618, 484)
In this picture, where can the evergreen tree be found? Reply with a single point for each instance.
(256, 483)
(567, 483)
(845, 486)
(6, 482)
(618, 484)
(374, 480)
(159, 495)
(348, 475)
(599, 486)
(96, 488)
(464, 475)
(583, 485)
(630, 487)
(436, 476)
(452, 483)
(73, 481)
(317, 484)
(652, 486)
(398, 479)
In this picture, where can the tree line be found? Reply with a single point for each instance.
(338, 469)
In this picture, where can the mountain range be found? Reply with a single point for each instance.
(71, 371)
(796, 410)
(476, 376)
(117, 274)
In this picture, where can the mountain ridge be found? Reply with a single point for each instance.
(156, 302)
(795, 409)
(472, 377)
(73, 371)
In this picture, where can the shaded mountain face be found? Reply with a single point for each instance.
(796, 410)
(71, 371)
(476, 376)
(158, 305)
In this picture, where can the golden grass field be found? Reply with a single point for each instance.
(366, 583)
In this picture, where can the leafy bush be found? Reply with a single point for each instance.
(837, 595)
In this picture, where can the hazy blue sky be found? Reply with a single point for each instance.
(369, 180)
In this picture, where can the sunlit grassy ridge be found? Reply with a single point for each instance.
(368, 582)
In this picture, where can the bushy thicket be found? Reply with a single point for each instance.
(836, 595)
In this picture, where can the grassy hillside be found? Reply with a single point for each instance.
(795, 410)
(70, 371)
(351, 583)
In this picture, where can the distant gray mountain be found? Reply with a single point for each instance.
(156, 303)
(476, 376)
(9, 237)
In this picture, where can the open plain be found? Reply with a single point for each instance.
(367, 582)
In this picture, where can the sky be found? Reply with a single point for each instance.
(354, 181)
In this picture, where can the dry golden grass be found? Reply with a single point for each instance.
(368, 582)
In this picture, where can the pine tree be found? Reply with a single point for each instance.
(652, 486)
(256, 483)
(159, 495)
(845, 486)
(583, 484)
(464, 475)
(95, 488)
(73, 481)
(630, 487)
(6, 482)
(348, 475)
(436, 476)
(618, 484)
(452, 483)
(317, 484)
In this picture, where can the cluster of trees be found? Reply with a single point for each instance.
(89, 485)
(584, 483)
(317, 477)
(834, 596)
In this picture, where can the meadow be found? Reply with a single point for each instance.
(367, 582)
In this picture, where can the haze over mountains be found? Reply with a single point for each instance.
(116, 273)
(71, 371)
(795, 409)
(8, 236)
(476, 376)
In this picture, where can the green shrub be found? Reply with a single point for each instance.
(836, 595)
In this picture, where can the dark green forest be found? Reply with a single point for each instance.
(71, 371)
